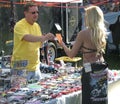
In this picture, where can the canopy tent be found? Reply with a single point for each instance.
(61, 1)
(40, 2)
(54, 2)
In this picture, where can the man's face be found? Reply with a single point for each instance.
(32, 14)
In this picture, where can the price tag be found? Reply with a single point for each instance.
(87, 67)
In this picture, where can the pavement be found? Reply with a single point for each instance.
(114, 93)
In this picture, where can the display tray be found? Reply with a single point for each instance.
(75, 61)
(68, 59)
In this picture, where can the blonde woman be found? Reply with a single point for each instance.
(91, 42)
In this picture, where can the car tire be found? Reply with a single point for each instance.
(52, 51)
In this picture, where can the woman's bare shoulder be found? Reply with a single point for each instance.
(83, 33)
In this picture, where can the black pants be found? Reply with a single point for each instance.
(95, 84)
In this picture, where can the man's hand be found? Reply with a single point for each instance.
(50, 36)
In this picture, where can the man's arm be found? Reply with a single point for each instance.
(32, 38)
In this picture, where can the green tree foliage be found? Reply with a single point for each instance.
(6, 23)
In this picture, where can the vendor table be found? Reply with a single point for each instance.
(75, 97)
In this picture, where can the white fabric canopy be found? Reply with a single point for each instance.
(62, 1)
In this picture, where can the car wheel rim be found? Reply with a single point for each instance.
(51, 53)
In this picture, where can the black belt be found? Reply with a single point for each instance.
(96, 67)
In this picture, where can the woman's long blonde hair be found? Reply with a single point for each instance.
(94, 20)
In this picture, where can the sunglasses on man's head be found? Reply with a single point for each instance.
(35, 12)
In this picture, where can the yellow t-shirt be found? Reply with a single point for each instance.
(24, 50)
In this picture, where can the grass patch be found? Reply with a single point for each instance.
(113, 61)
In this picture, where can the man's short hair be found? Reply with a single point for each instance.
(29, 4)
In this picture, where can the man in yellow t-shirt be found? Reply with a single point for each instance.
(27, 41)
